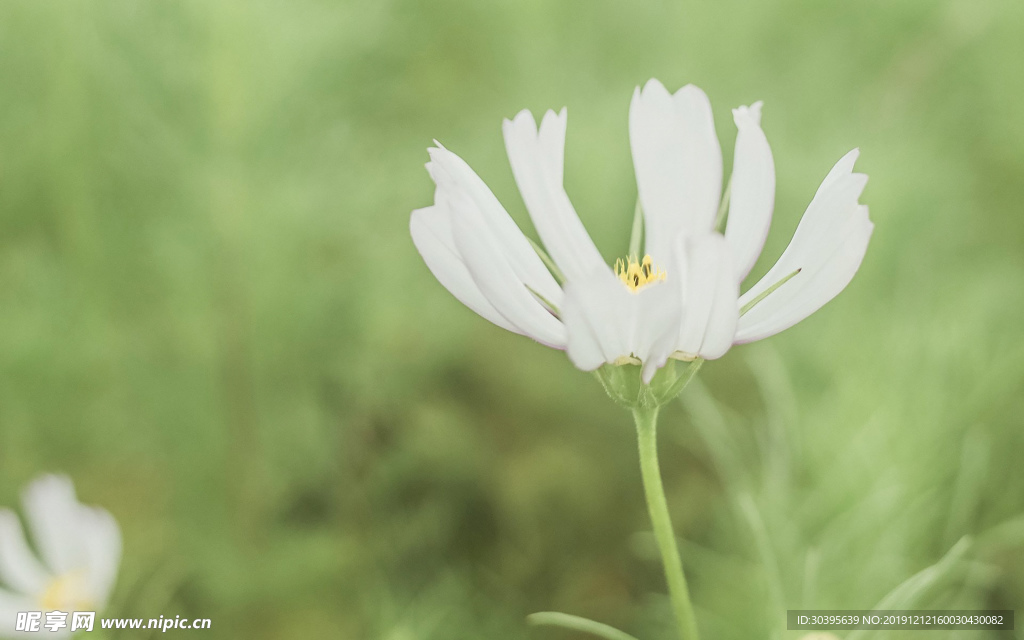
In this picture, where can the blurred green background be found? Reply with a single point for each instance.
(213, 318)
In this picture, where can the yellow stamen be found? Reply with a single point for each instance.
(65, 592)
(636, 275)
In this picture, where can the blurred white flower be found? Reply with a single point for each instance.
(681, 298)
(80, 549)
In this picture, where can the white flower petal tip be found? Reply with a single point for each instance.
(80, 547)
(748, 114)
(678, 163)
(825, 253)
(752, 190)
(537, 160)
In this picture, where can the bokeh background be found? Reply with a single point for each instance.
(212, 316)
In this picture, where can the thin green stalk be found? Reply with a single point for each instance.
(684, 378)
(636, 234)
(723, 208)
(646, 428)
(764, 294)
(547, 303)
(546, 259)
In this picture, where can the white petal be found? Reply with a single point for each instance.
(552, 141)
(753, 191)
(598, 316)
(605, 321)
(499, 259)
(51, 510)
(101, 542)
(432, 234)
(709, 292)
(658, 317)
(537, 164)
(827, 247)
(73, 538)
(492, 271)
(10, 605)
(19, 568)
(842, 168)
(450, 172)
(678, 163)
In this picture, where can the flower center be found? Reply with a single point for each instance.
(65, 593)
(636, 275)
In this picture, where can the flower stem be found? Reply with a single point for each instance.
(646, 418)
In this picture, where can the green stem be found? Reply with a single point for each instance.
(646, 428)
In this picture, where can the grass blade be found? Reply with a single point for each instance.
(576, 623)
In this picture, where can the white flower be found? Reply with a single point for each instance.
(681, 299)
(80, 547)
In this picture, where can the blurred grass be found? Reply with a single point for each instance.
(212, 317)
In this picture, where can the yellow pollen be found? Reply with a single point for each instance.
(637, 274)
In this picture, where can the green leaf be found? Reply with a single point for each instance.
(576, 623)
(912, 590)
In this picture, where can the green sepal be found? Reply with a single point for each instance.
(625, 386)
